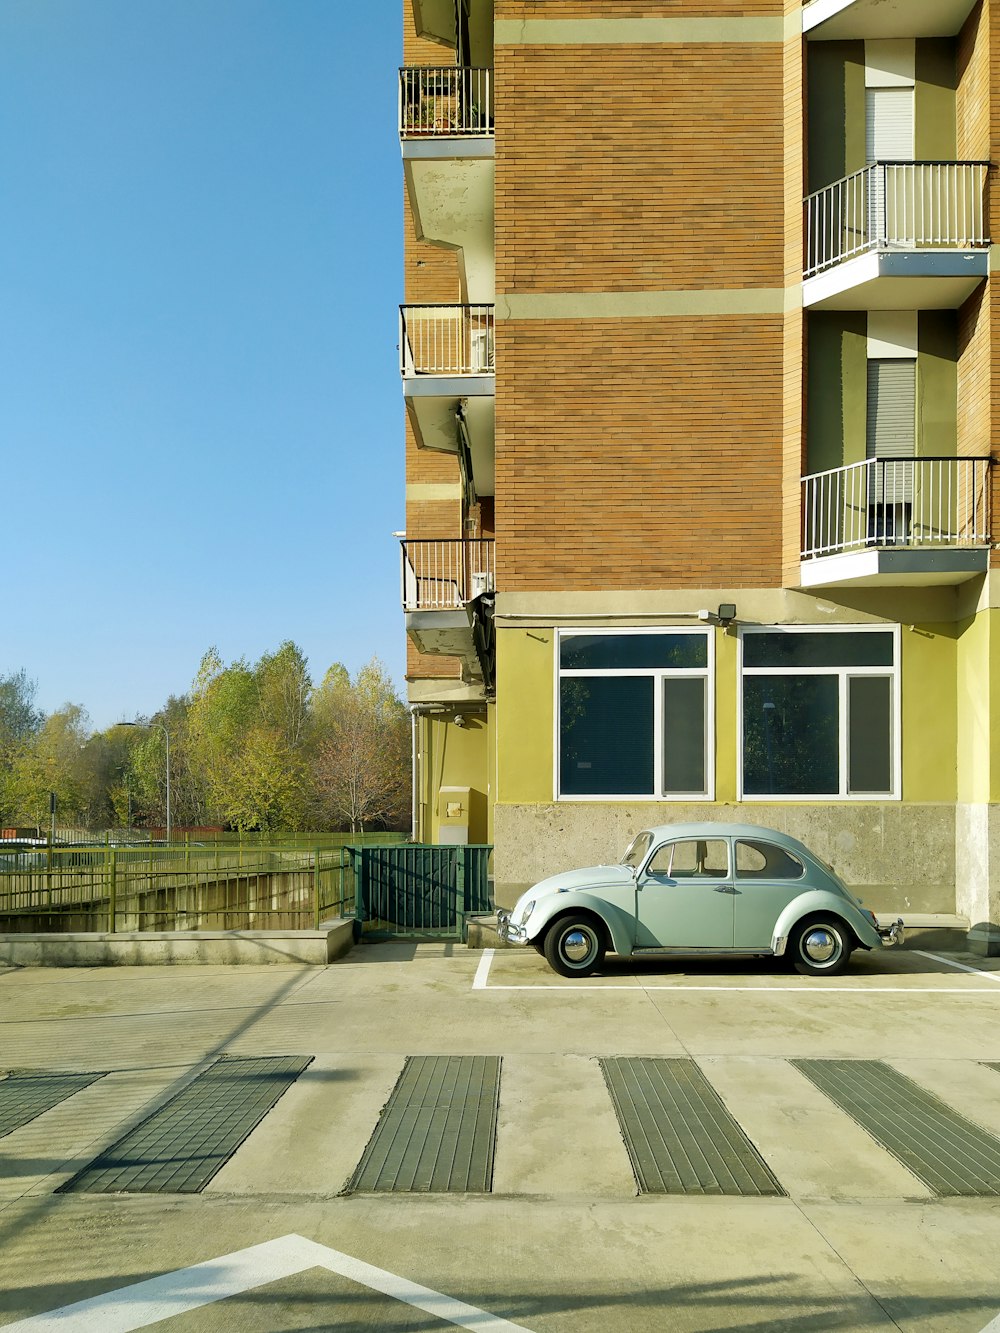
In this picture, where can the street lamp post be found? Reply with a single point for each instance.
(166, 737)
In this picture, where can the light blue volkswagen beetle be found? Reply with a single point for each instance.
(699, 889)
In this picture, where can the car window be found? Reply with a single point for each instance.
(636, 851)
(765, 860)
(691, 858)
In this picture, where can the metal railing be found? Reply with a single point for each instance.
(896, 502)
(897, 205)
(172, 888)
(444, 101)
(446, 339)
(445, 575)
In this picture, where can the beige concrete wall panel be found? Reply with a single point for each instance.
(609, 179)
(638, 9)
(639, 453)
(904, 855)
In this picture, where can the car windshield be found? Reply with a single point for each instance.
(637, 849)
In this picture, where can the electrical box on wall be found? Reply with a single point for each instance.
(453, 814)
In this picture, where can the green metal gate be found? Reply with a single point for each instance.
(420, 889)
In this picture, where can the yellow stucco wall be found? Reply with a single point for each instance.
(978, 699)
(455, 757)
(525, 714)
(938, 668)
(929, 744)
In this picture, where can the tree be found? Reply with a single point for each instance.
(52, 760)
(248, 728)
(361, 762)
(19, 721)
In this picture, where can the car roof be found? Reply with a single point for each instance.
(717, 829)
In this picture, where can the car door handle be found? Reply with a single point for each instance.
(724, 888)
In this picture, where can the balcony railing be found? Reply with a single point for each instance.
(444, 100)
(897, 205)
(920, 502)
(446, 340)
(445, 575)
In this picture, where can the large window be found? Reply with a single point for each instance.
(635, 713)
(820, 713)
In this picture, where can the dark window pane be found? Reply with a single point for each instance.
(629, 652)
(869, 758)
(606, 732)
(790, 736)
(684, 734)
(763, 860)
(817, 650)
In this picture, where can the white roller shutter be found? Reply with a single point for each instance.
(891, 427)
(889, 124)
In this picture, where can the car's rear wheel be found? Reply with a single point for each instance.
(574, 946)
(821, 948)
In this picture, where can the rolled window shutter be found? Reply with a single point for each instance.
(891, 427)
(889, 124)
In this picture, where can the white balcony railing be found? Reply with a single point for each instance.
(446, 340)
(896, 502)
(445, 575)
(444, 101)
(899, 206)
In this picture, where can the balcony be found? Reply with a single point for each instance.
(446, 361)
(446, 135)
(856, 20)
(897, 236)
(446, 589)
(891, 522)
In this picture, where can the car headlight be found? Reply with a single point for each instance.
(527, 910)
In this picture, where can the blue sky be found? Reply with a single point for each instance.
(200, 415)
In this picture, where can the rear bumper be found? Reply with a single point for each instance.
(894, 933)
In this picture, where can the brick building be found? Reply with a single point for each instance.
(700, 369)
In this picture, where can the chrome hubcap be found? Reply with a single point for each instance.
(577, 946)
(820, 945)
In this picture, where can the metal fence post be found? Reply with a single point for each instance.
(460, 857)
(316, 886)
(112, 891)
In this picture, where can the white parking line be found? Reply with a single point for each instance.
(962, 967)
(483, 970)
(816, 988)
(172, 1294)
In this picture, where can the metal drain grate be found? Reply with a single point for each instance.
(180, 1147)
(678, 1133)
(948, 1153)
(26, 1093)
(437, 1132)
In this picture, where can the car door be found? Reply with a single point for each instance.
(684, 898)
(766, 879)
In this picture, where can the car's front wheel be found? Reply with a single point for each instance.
(574, 946)
(821, 948)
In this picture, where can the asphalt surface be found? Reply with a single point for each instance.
(564, 1240)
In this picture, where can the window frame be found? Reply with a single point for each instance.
(843, 675)
(657, 675)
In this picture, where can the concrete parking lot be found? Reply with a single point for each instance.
(854, 1236)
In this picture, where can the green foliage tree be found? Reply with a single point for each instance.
(52, 760)
(360, 763)
(20, 720)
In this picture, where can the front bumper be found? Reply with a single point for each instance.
(512, 934)
(894, 933)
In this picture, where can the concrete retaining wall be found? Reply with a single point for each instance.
(97, 949)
